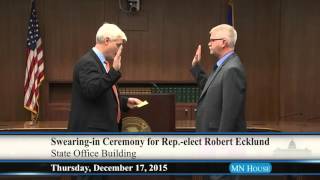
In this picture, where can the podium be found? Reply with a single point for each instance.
(159, 113)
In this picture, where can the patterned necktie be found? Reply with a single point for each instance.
(114, 89)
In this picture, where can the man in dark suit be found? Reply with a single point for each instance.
(96, 104)
(221, 105)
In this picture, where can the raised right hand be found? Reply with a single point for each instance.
(117, 59)
(197, 56)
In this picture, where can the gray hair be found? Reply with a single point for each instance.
(110, 31)
(226, 32)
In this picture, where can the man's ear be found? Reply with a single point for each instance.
(106, 41)
(224, 43)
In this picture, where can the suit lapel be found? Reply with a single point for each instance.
(209, 81)
(213, 76)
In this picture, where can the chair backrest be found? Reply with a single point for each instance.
(134, 124)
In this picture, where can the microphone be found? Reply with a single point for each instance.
(157, 87)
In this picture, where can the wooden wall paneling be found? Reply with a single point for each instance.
(300, 82)
(143, 54)
(13, 35)
(58, 101)
(258, 25)
(70, 32)
(187, 24)
(111, 11)
(291, 61)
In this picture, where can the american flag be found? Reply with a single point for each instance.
(35, 64)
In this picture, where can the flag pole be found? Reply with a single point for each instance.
(34, 74)
(34, 122)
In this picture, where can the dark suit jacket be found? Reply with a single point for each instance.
(94, 106)
(221, 105)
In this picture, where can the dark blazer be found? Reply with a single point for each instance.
(221, 105)
(93, 105)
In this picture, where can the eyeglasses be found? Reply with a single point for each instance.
(211, 40)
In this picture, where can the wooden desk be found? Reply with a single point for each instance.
(43, 126)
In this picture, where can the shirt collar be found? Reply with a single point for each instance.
(221, 60)
(99, 54)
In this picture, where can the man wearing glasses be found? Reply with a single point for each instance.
(221, 105)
